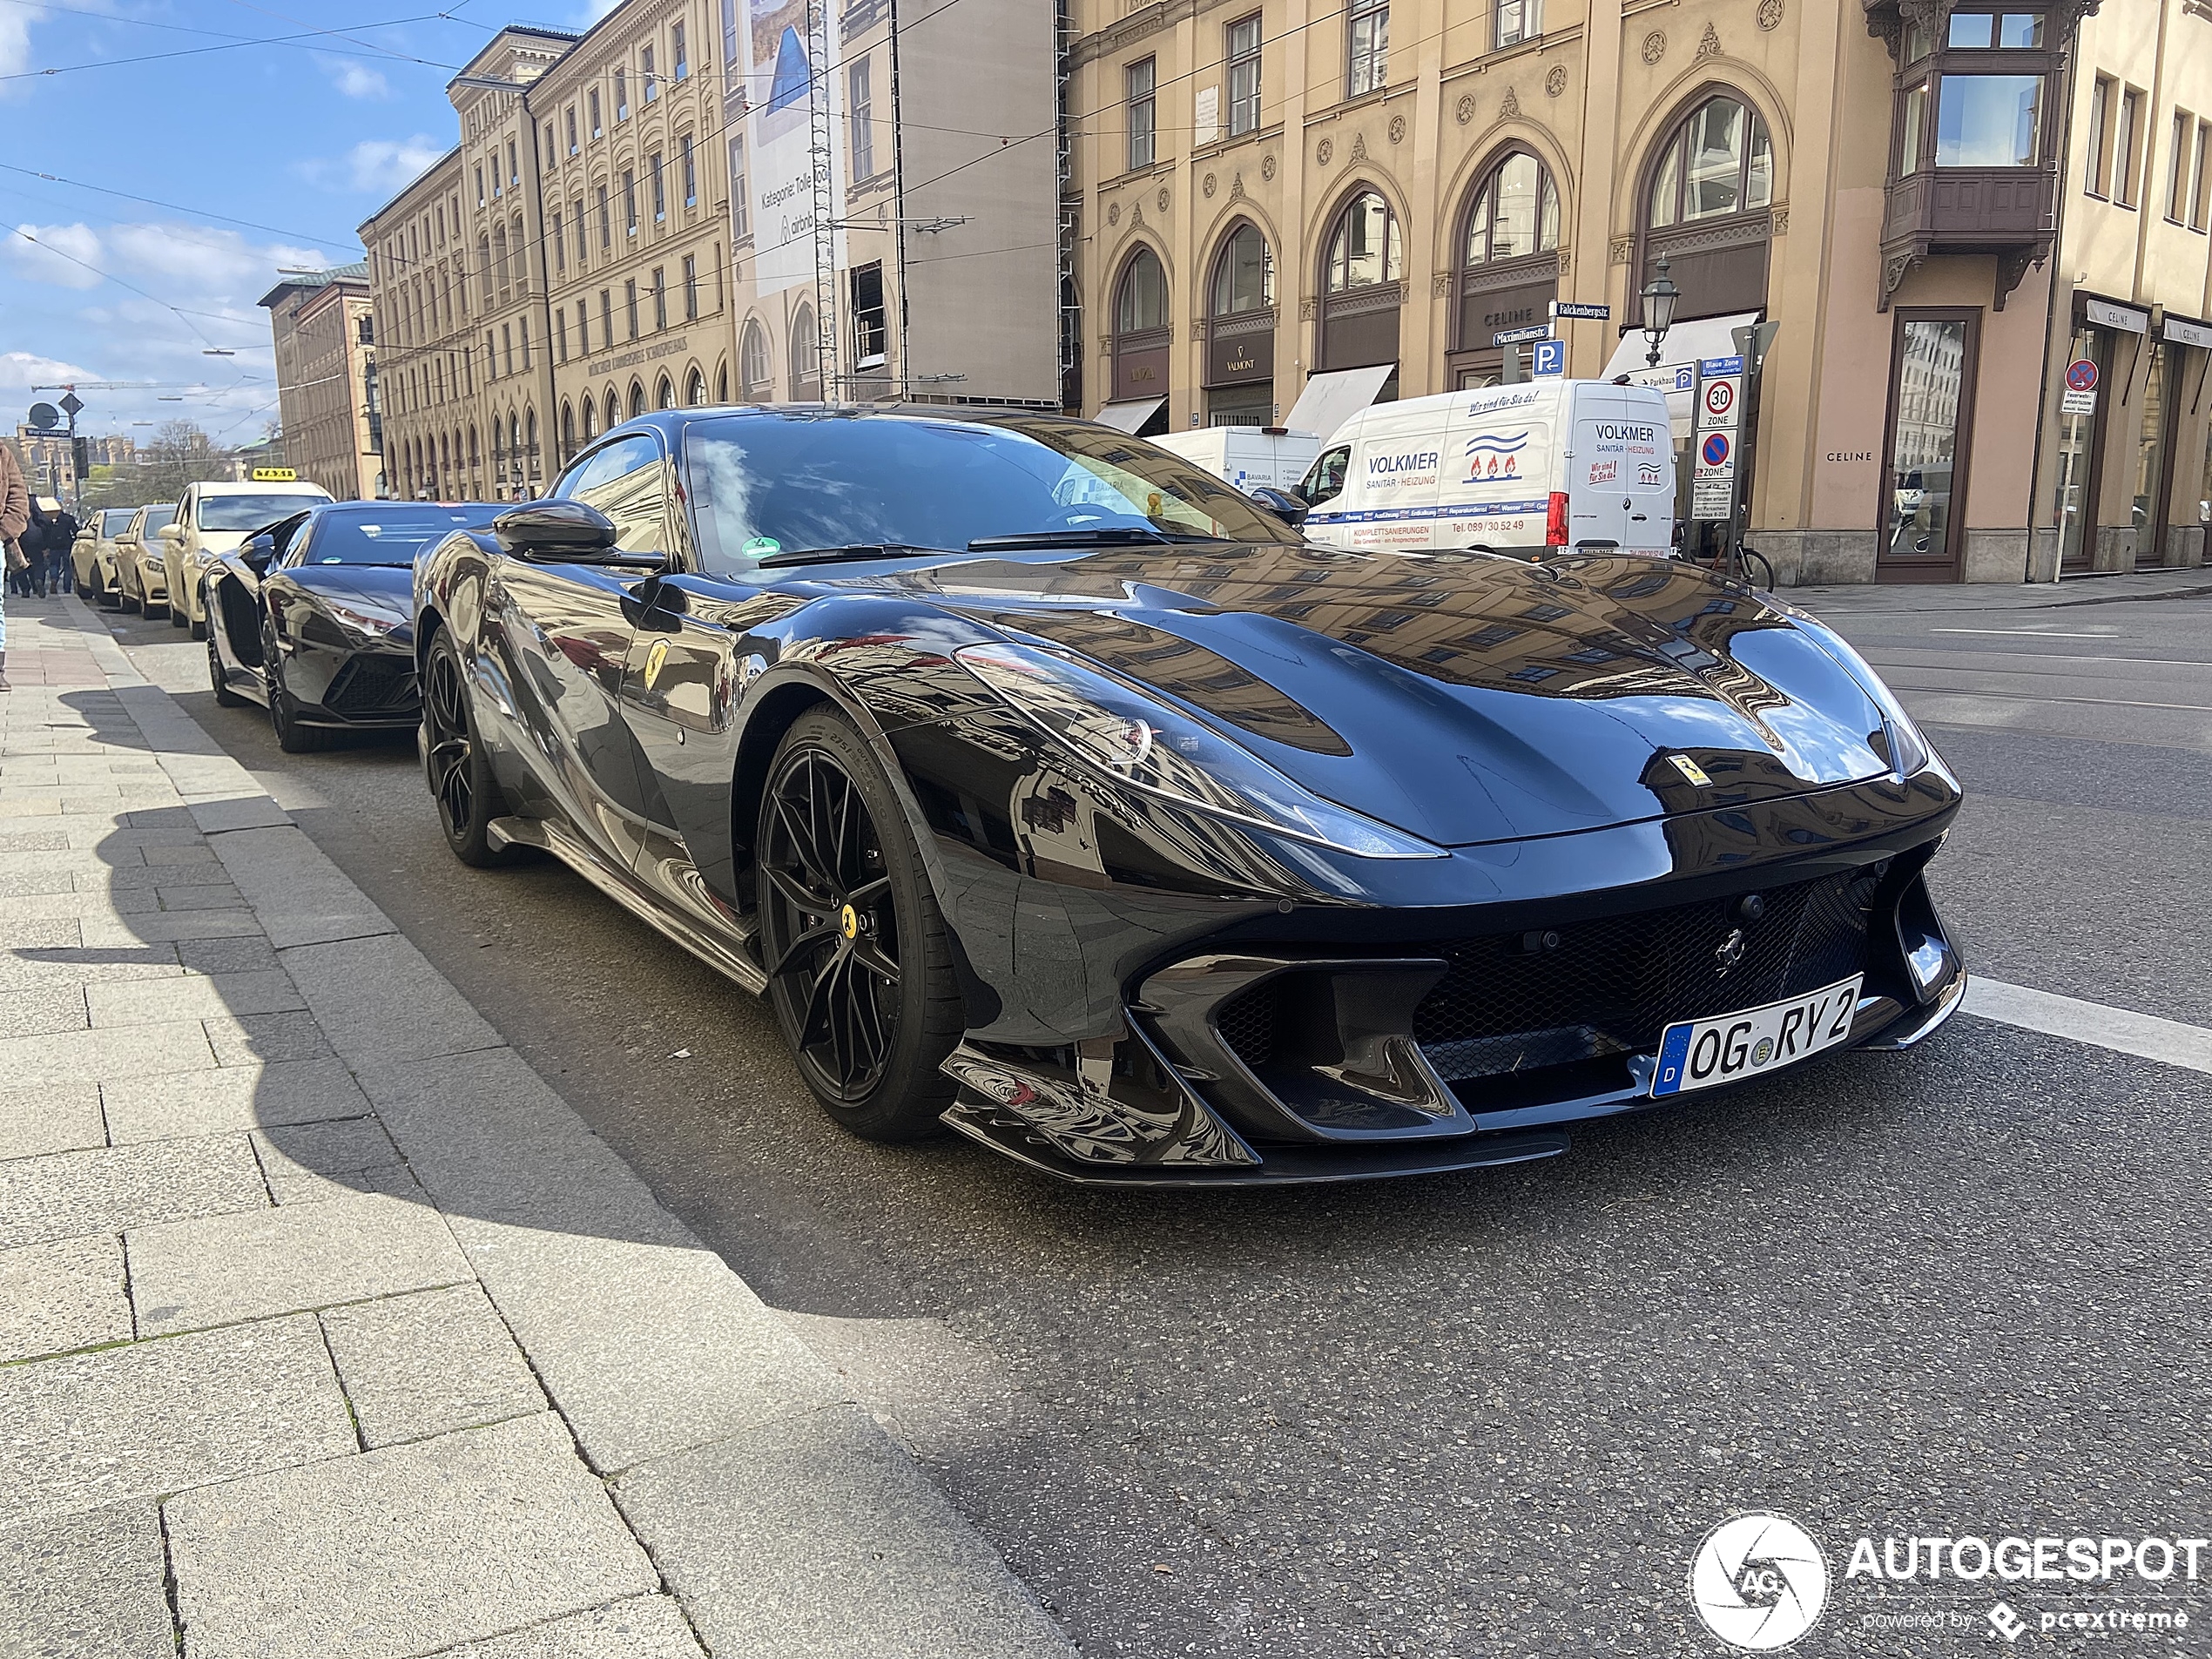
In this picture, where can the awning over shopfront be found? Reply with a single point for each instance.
(1679, 352)
(1131, 416)
(1329, 400)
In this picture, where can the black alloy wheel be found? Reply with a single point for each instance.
(459, 777)
(860, 967)
(219, 681)
(293, 735)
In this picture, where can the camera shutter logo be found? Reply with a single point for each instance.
(1759, 1581)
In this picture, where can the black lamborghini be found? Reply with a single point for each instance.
(312, 617)
(1049, 789)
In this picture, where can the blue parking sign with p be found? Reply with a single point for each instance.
(1550, 357)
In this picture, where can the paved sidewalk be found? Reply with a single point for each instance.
(326, 1327)
(1861, 598)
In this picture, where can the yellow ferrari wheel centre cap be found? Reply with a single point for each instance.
(850, 921)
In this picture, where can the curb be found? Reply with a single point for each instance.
(775, 1507)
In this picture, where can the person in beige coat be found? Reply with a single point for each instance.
(15, 516)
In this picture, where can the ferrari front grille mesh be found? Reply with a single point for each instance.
(1517, 1002)
(1505, 1003)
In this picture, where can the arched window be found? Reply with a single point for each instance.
(590, 420)
(1719, 161)
(1244, 277)
(1142, 305)
(614, 410)
(1508, 264)
(664, 393)
(1365, 249)
(637, 399)
(805, 356)
(1142, 340)
(499, 257)
(530, 439)
(567, 431)
(722, 382)
(1515, 213)
(1240, 332)
(1706, 204)
(754, 368)
(475, 454)
(695, 388)
(1362, 285)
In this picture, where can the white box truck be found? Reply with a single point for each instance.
(1545, 466)
(1247, 457)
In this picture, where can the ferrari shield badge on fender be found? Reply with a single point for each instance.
(1681, 764)
(654, 657)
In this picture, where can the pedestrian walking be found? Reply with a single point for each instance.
(15, 517)
(62, 529)
(33, 542)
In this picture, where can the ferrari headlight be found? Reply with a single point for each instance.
(1116, 730)
(1910, 748)
(377, 623)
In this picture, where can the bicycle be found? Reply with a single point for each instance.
(1746, 565)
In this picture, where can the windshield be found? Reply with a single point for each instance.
(248, 512)
(156, 516)
(391, 535)
(115, 520)
(763, 484)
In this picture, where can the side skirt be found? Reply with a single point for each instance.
(550, 838)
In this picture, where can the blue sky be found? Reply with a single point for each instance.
(266, 151)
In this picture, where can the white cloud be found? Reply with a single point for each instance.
(15, 37)
(21, 370)
(378, 167)
(36, 252)
(355, 78)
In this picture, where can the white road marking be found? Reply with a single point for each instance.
(2122, 1030)
(2031, 633)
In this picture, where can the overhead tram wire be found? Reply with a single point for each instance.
(237, 42)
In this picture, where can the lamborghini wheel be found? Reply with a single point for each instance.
(459, 776)
(859, 968)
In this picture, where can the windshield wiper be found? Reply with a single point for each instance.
(1106, 535)
(859, 550)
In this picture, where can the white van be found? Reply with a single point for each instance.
(1549, 465)
(1246, 457)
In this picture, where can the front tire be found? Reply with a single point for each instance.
(860, 973)
(459, 776)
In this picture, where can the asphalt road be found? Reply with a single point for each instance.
(1956, 1290)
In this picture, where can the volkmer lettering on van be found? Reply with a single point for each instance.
(1381, 465)
(1619, 433)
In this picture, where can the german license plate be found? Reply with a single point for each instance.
(1697, 1054)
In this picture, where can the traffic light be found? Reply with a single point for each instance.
(84, 458)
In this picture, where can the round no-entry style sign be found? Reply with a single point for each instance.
(1720, 397)
(2082, 375)
(1714, 450)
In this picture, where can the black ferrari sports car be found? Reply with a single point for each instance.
(1049, 789)
(312, 617)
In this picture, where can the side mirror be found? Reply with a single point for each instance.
(564, 532)
(1281, 502)
(258, 551)
(171, 532)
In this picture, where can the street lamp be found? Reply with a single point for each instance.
(1659, 297)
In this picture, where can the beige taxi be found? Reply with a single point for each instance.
(141, 584)
(211, 519)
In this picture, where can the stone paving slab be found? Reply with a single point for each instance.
(85, 1587)
(43, 1011)
(646, 1627)
(755, 1535)
(235, 1097)
(300, 897)
(423, 1364)
(217, 1270)
(56, 1119)
(87, 1430)
(63, 1296)
(401, 1551)
(381, 1002)
(105, 1189)
(195, 996)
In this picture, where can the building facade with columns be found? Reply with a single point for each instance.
(1942, 207)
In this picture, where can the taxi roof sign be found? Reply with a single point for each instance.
(275, 475)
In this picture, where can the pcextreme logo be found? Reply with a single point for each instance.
(1759, 1581)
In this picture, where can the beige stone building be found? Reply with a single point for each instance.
(628, 222)
(326, 390)
(1941, 206)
